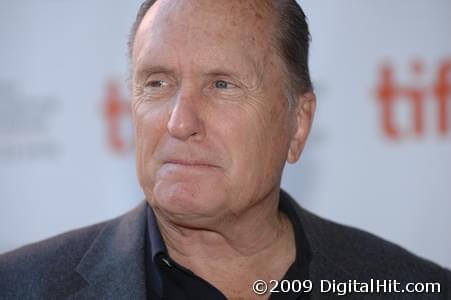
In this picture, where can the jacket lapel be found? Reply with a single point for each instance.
(114, 265)
(321, 267)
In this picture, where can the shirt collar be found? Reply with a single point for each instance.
(303, 250)
(155, 246)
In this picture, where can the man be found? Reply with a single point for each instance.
(221, 99)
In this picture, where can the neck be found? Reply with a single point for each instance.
(243, 235)
(240, 243)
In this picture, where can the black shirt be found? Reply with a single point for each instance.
(166, 279)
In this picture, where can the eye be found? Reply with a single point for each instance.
(222, 84)
(157, 83)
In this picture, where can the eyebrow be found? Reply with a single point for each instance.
(162, 69)
(222, 72)
(153, 70)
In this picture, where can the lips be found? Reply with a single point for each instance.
(191, 163)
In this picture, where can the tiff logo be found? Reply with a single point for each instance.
(116, 111)
(389, 92)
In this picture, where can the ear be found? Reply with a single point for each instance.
(302, 122)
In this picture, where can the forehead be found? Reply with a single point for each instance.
(218, 27)
(256, 15)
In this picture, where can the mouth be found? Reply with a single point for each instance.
(191, 163)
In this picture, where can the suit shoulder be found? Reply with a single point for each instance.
(69, 241)
(366, 254)
(32, 265)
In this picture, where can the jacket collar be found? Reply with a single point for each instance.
(321, 266)
(114, 265)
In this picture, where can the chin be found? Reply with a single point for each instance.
(181, 200)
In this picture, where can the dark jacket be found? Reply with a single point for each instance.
(107, 261)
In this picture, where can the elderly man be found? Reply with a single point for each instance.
(221, 99)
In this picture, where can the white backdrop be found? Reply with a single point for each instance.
(379, 156)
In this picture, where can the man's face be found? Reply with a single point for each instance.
(212, 124)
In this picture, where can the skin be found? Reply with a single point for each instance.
(213, 131)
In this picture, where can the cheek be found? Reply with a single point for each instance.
(258, 142)
(263, 129)
(150, 124)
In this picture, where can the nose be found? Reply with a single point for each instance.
(185, 121)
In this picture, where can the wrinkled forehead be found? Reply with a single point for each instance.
(246, 22)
